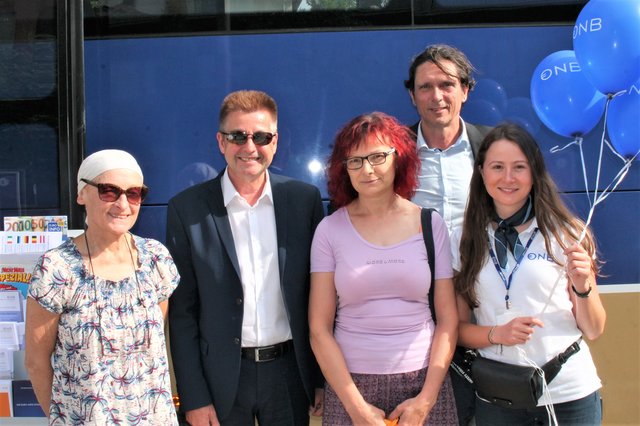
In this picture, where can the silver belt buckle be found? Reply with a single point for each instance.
(256, 353)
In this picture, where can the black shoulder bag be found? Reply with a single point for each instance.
(516, 386)
(462, 357)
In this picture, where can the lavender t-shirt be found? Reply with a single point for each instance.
(383, 324)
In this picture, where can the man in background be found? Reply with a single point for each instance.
(440, 79)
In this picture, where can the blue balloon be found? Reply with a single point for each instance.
(563, 98)
(606, 39)
(521, 112)
(490, 91)
(623, 125)
(480, 111)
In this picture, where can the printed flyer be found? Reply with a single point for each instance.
(16, 271)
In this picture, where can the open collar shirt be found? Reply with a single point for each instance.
(264, 321)
(444, 177)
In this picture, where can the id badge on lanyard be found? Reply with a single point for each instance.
(507, 281)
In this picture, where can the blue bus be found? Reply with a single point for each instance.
(148, 76)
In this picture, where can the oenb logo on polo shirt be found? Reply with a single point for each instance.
(539, 256)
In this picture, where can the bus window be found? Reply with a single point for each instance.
(107, 18)
(29, 181)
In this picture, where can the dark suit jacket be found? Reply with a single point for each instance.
(205, 311)
(475, 132)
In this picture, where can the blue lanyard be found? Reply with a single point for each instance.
(507, 282)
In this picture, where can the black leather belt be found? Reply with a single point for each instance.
(267, 353)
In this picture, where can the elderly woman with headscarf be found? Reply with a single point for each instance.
(97, 304)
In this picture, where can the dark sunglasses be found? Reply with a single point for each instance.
(240, 138)
(110, 193)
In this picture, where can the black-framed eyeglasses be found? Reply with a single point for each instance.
(375, 159)
(240, 138)
(109, 193)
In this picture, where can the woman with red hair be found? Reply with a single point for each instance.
(371, 327)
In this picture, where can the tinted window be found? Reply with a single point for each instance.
(28, 108)
(106, 18)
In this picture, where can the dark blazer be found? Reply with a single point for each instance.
(205, 311)
(475, 132)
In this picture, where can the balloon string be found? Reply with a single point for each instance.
(621, 174)
(584, 170)
(616, 152)
(577, 141)
(604, 127)
(616, 181)
(610, 97)
(592, 206)
(557, 148)
(606, 192)
(597, 199)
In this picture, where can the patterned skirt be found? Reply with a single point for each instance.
(387, 391)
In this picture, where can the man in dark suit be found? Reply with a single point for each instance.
(238, 319)
(440, 79)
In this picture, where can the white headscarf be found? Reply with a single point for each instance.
(105, 160)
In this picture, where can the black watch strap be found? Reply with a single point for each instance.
(582, 295)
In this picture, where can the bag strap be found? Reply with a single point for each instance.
(552, 368)
(427, 235)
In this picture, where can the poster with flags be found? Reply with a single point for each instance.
(28, 242)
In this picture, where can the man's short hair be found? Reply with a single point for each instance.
(247, 101)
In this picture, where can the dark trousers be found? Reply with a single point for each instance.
(270, 393)
(585, 411)
(465, 398)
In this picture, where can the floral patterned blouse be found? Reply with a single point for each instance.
(110, 360)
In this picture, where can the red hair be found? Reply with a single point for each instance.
(356, 132)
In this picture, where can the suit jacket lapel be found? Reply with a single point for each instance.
(280, 201)
(221, 220)
(475, 137)
(476, 134)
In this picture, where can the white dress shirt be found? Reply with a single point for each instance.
(444, 177)
(265, 319)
